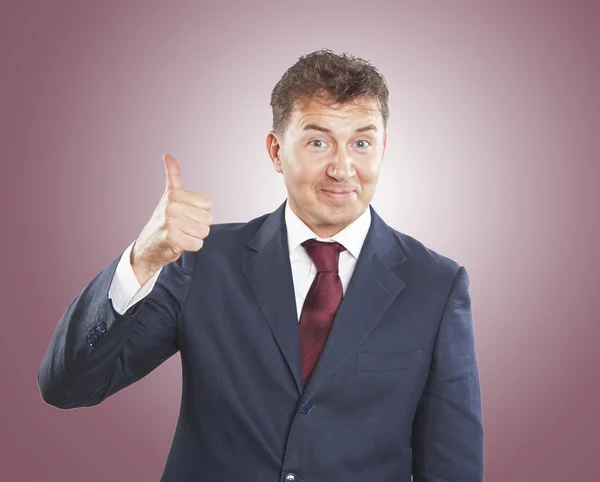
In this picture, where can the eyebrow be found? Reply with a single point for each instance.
(316, 127)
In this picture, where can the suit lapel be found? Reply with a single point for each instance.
(269, 274)
(372, 289)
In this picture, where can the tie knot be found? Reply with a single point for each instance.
(324, 254)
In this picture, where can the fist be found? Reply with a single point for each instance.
(179, 223)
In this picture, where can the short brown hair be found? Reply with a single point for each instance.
(343, 77)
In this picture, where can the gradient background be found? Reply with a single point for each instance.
(492, 160)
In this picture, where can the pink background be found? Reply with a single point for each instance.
(492, 160)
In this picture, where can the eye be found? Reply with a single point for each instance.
(317, 140)
(363, 140)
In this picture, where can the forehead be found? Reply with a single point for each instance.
(335, 115)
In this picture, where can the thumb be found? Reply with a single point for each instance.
(173, 172)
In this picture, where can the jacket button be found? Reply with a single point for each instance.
(101, 327)
(290, 478)
(92, 339)
(306, 408)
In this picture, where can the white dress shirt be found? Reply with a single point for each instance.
(125, 290)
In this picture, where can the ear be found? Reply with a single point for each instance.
(274, 150)
(384, 145)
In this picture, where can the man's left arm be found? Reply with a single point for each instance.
(447, 436)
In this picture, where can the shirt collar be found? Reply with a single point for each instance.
(351, 237)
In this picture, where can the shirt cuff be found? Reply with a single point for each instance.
(125, 290)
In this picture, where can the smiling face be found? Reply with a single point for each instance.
(330, 157)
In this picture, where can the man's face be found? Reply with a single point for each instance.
(330, 157)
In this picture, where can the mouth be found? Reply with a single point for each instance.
(338, 193)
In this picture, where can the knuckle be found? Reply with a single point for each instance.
(171, 196)
(193, 244)
(170, 211)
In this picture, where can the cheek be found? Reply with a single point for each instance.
(304, 172)
(371, 172)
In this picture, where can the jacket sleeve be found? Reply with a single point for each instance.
(447, 435)
(96, 351)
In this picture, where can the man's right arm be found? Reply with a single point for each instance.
(96, 351)
(115, 331)
(125, 290)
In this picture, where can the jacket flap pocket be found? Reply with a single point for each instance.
(376, 361)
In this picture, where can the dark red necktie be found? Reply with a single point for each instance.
(321, 303)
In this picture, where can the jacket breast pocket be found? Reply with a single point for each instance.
(388, 361)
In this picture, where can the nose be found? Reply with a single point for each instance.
(341, 167)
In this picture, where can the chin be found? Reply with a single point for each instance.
(339, 215)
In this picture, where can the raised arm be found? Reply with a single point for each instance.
(95, 351)
(99, 348)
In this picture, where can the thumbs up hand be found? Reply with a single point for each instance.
(179, 223)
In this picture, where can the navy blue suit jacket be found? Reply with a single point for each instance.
(395, 393)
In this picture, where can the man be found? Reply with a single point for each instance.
(317, 343)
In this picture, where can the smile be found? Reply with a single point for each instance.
(338, 195)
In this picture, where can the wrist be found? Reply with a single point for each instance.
(142, 270)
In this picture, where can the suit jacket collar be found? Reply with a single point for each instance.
(372, 289)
